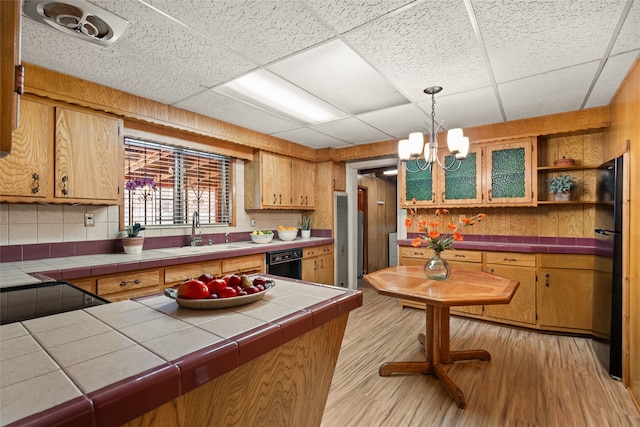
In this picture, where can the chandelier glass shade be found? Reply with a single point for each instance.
(415, 146)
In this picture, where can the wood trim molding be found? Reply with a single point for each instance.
(53, 85)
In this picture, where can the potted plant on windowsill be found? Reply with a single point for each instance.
(133, 243)
(561, 186)
(306, 227)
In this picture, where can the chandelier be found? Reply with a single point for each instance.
(412, 148)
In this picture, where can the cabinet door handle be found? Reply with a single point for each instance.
(64, 185)
(546, 280)
(36, 187)
(442, 197)
(460, 256)
(126, 282)
(433, 197)
(275, 198)
(315, 265)
(489, 194)
(280, 198)
(306, 198)
(301, 200)
(509, 259)
(491, 271)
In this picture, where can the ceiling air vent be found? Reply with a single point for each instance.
(78, 18)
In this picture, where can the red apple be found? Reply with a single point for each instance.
(215, 285)
(259, 281)
(252, 290)
(206, 278)
(193, 289)
(227, 292)
(234, 280)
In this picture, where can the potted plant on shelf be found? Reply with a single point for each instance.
(561, 186)
(306, 227)
(133, 242)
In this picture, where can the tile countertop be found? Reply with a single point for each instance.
(74, 267)
(112, 363)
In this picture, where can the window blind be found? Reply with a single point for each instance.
(164, 184)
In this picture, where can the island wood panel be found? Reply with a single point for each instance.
(287, 387)
(31, 153)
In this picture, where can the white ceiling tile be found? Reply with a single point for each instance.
(629, 37)
(549, 93)
(351, 130)
(396, 121)
(530, 37)
(312, 138)
(429, 44)
(263, 31)
(471, 108)
(337, 74)
(212, 104)
(344, 15)
(613, 73)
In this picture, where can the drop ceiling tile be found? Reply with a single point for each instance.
(345, 15)
(212, 104)
(524, 38)
(549, 93)
(351, 130)
(429, 44)
(396, 121)
(470, 108)
(629, 37)
(311, 138)
(335, 73)
(263, 31)
(613, 73)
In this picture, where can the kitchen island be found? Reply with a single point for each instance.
(150, 362)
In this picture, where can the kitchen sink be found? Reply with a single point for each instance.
(185, 250)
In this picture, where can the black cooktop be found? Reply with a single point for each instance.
(18, 303)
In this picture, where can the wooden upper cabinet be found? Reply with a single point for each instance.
(88, 154)
(416, 184)
(463, 186)
(26, 171)
(510, 173)
(272, 181)
(10, 15)
(303, 179)
(339, 176)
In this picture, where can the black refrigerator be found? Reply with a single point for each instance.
(607, 297)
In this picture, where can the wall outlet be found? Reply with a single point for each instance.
(89, 220)
(252, 222)
(460, 218)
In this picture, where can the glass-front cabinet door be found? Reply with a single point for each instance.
(509, 173)
(418, 184)
(463, 186)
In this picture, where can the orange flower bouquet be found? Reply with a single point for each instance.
(433, 238)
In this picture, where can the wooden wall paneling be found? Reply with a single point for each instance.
(323, 216)
(517, 223)
(588, 189)
(570, 221)
(496, 222)
(548, 217)
(594, 148)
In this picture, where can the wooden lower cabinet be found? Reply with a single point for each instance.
(555, 291)
(566, 293)
(249, 264)
(318, 264)
(178, 274)
(129, 285)
(521, 267)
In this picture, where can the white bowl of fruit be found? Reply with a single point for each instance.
(262, 236)
(209, 292)
(287, 233)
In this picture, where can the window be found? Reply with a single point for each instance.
(164, 185)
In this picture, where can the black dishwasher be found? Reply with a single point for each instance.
(24, 302)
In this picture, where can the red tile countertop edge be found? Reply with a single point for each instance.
(77, 412)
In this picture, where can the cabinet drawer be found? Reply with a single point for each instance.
(128, 281)
(579, 262)
(182, 272)
(317, 250)
(462, 256)
(411, 252)
(250, 263)
(509, 258)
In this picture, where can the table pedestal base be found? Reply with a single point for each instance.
(437, 354)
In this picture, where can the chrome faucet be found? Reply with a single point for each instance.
(196, 236)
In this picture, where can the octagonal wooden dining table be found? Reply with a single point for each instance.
(463, 287)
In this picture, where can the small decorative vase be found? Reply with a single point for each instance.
(437, 268)
(132, 245)
(565, 196)
(305, 234)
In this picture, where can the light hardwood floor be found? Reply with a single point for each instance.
(532, 379)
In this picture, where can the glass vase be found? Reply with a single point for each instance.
(437, 268)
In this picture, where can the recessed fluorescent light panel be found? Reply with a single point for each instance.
(267, 91)
(390, 172)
